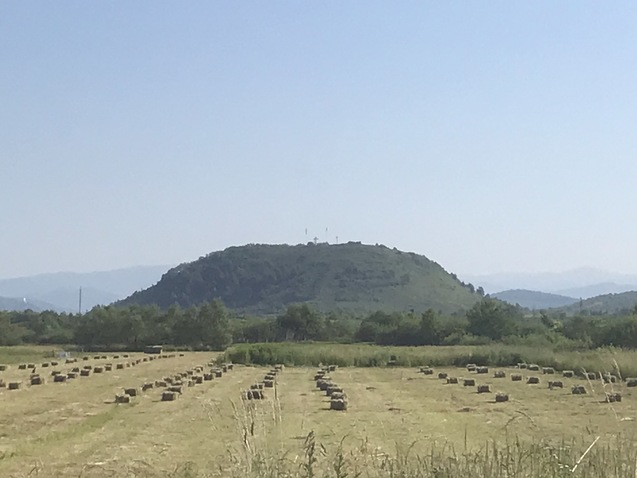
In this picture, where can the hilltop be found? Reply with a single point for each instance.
(264, 279)
(607, 304)
(534, 300)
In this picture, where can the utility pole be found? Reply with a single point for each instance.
(80, 306)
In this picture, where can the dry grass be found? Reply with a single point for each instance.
(74, 429)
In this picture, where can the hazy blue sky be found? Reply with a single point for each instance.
(488, 136)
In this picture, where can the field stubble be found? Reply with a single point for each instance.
(398, 420)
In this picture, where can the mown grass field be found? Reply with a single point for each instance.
(395, 415)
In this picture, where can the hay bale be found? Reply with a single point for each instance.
(482, 370)
(484, 388)
(59, 378)
(160, 383)
(268, 383)
(548, 370)
(22, 366)
(85, 358)
(338, 404)
(37, 380)
(533, 367)
(108, 367)
(119, 366)
(208, 376)
(3, 367)
(516, 377)
(613, 397)
(71, 375)
(122, 398)
(428, 371)
(148, 386)
(176, 388)
(578, 390)
(443, 375)
(231, 366)
(182, 355)
(333, 389)
(85, 372)
(631, 382)
(471, 367)
(14, 385)
(555, 384)
(218, 373)
(338, 396)
(169, 396)
(568, 374)
(31, 365)
(75, 370)
(469, 382)
(96, 357)
(198, 379)
(323, 384)
(133, 392)
(55, 372)
(98, 370)
(499, 374)
(590, 375)
(501, 397)
(125, 355)
(452, 379)
(115, 356)
(255, 395)
(319, 375)
(533, 380)
(521, 365)
(87, 367)
(609, 378)
(45, 365)
(67, 361)
(332, 368)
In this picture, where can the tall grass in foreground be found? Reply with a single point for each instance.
(361, 355)
(262, 454)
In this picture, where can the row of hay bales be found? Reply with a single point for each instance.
(59, 376)
(174, 385)
(28, 367)
(606, 377)
(338, 397)
(257, 390)
(530, 380)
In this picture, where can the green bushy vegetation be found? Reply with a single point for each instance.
(213, 326)
(608, 359)
(263, 279)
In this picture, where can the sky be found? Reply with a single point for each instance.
(489, 136)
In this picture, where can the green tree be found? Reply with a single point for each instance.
(300, 322)
(493, 319)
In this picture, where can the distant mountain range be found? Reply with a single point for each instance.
(352, 277)
(577, 283)
(10, 303)
(534, 300)
(60, 291)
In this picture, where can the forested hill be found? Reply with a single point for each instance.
(264, 279)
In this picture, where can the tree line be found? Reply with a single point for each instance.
(212, 326)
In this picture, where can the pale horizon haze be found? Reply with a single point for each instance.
(488, 136)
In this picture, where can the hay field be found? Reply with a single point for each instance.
(75, 429)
